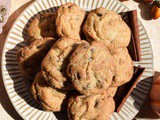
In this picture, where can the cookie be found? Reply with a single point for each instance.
(107, 27)
(112, 91)
(49, 98)
(91, 68)
(123, 66)
(42, 26)
(30, 57)
(69, 20)
(94, 107)
(55, 62)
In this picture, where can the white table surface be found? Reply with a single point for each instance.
(152, 27)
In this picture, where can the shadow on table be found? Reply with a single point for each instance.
(146, 111)
(15, 77)
(23, 86)
(4, 99)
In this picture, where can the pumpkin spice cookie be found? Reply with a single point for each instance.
(49, 98)
(123, 66)
(55, 62)
(30, 57)
(42, 26)
(69, 19)
(94, 107)
(107, 27)
(91, 68)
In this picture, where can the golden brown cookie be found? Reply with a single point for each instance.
(91, 68)
(69, 19)
(30, 57)
(49, 98)
(123, 66)
(112, 91)
(55, 62)
(94, 107)
(42, 26)
(107, 27)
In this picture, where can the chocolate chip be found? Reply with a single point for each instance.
(69, 6)
(100, 15)
(96, 103)
(98, 81)
(39, 46)
(114, 77)
(92, 50)
(78, 76)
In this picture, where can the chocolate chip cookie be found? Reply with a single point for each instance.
(69, 19)
(112, 91)
(94, 107)
(107, 27)
(123, 66)
(42, 26)
(49, 98)
(91, 68)
(30, 57)
(55, 62)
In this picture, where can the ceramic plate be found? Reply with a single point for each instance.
(16, 86)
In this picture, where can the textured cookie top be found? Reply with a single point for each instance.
(42, 26)
(112, 91)
(55, 62)
(69, 19)
(91, 68)
(34, 47)
(107, 27)
(30, 57)
(51, 99)
(123, 66)
(95, 107)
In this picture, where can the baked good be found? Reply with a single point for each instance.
(42, 26)
(91, 68)
(112, 91)
(55, 62)
(49, 98)
(107, 27)
(123, 66)
(30, 57)
(94, 107)
(69, 19)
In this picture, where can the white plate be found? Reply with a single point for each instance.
(16, 87)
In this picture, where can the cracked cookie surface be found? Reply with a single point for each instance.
(107, 27)
(123, 66)
(42, 26)
(91, 68)
(49, 98)
(55, 63)
(94, 107)
(30, 57)
(69, 19)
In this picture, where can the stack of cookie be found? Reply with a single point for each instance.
(80, 76)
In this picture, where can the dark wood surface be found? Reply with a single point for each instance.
(145, 112)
